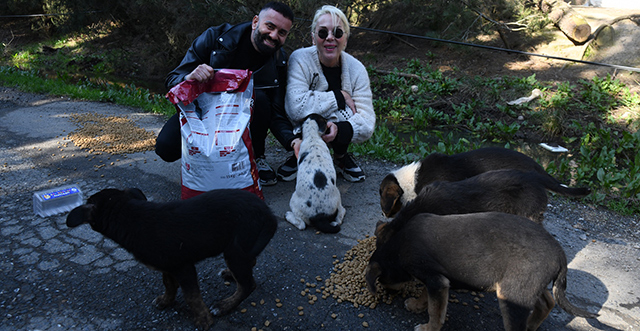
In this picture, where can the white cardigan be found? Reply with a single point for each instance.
(307, 92)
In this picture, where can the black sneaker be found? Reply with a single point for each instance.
(349, 169)
(289, 170)
(266, 173)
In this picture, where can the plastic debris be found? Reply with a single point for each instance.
(555, 149)
(534, 94)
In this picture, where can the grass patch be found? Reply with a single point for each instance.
(126, 95)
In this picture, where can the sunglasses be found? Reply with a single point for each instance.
(324, 33)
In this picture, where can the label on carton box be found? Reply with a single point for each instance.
(59, 193)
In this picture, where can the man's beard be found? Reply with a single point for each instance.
(259, 39)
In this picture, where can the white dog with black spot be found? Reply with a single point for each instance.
(316, 200)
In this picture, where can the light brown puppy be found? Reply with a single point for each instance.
(492, 251)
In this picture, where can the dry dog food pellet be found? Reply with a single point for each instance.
(347, 283)
(300, 313)
(365, 324)
(300, 308)
(334, 316)
(267, 323)
(244, 310)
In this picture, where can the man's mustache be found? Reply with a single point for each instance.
(265, 36)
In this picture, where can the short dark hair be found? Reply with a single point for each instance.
(281, 8)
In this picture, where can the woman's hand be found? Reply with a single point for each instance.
(349, 101)
(333, 132)
(295, 144)
(201, 73)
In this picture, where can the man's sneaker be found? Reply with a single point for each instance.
(289, 170)
(266, 173)
(349, 169)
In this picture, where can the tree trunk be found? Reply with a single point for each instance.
(574, 26)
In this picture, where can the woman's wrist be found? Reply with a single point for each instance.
(295, 141)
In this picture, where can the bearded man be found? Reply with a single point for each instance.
(254, 45)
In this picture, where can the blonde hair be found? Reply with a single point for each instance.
(336, 14)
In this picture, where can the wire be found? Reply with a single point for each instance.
(499, 49)
(45, 15)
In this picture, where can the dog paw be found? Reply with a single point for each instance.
(414, 305)
(227, 275)
(203, 322)
(162, 302)
(298, 223)
(427, 327)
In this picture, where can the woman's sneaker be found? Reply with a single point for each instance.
(349, 169)
(265, 172)
(289, 170)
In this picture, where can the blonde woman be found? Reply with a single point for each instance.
(325, 80)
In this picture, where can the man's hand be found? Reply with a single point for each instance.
(201, 73)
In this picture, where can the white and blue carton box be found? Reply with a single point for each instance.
(56, 200)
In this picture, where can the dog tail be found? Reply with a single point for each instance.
(325, 223)
(552, 184)
(559, 293)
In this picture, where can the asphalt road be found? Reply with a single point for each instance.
(56, 278)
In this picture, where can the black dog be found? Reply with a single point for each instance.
(171, 237)
(492, 251)
(403, 185)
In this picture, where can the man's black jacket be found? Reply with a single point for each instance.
(218, 47)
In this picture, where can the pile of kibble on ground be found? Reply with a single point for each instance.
(110, 134)
(346, 282)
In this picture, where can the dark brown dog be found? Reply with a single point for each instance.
(402, 185)
(171, 237)
(508, 190)
(492, 251)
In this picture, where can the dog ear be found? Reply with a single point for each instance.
(372, 273)
(383, 232)
(379, 226)
(135, 193)
(320, 121)
(390, 193)
(80, 215)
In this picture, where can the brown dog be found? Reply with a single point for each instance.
(507, 190)
(492, 251)
(404, 184)
(171, 237)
